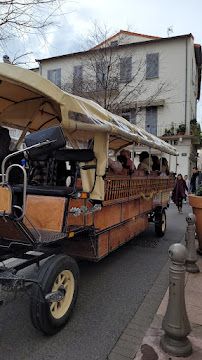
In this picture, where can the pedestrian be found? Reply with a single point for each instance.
(195, 180)
(188, 186)
(179, 192)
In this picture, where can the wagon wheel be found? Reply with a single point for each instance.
(52, 304)
(160, 223)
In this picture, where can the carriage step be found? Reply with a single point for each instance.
(47, 237)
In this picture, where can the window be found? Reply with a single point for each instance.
(125, 69)
(151, 120)
(101, 75)
(114, 43)
(78, 78)
(54, 76)
(130, 115)
(152, 66)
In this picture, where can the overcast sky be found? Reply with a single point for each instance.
(143, 16)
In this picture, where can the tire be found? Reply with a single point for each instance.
(160, 223)
(58, 271)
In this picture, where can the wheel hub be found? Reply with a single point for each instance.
(62, 294)
(55, 295)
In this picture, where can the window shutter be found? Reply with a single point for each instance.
(49, 75)
(101, 75)
(133, 116)
(151, 120)
(58, 77)
(78, 78)
(125, 69)
(152, 66)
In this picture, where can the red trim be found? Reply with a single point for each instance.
(126, 32)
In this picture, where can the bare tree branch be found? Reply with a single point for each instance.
(23, 19)
(101, 76)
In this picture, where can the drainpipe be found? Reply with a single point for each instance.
(185, 119)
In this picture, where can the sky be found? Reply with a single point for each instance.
(143, 16)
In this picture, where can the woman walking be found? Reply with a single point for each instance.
(179, 192)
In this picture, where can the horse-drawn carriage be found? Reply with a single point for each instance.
(89, 218)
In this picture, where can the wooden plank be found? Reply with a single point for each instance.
(45, 212)
(108, 216)
(84, 247)
(103, 244)
(118, 236)
(145, 205)
(125, 232)
(79, 220)
(5, 200)
(10, 231)
(130, 209)
(75, 220)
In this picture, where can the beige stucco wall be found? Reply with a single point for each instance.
(172, 68)
(172, 73)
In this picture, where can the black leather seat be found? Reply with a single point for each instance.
(58, 191)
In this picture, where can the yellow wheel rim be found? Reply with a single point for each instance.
(65, 280)
(163, 222)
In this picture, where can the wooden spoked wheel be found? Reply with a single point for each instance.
(160, 223)
(59, 275)
(64, 281)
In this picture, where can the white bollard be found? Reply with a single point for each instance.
(190, 263)
(176, 323)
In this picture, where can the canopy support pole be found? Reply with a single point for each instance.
(149, 158)
(169, 162)
(133, 156)
(161, 162)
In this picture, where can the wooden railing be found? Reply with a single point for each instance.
(123, 187)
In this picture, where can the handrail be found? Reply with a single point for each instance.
(24, 186)
(20, 152)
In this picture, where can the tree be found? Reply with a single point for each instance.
(21, 20)
(113, 79)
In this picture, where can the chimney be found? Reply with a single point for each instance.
(6, 59)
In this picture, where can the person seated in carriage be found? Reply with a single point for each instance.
(144, 162)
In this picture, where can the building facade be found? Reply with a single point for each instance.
(152, 82)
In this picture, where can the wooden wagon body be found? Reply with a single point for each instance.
(88, 220)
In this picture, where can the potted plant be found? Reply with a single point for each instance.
(195, 200)
(195, 130)
(181, 129)
(172, 129)
(167, 132)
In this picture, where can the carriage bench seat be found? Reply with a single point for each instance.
(57, 191)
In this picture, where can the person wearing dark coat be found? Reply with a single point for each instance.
(179, 192)
(195, 180)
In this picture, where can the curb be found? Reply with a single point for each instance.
(130, 340)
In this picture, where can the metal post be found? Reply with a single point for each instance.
(176, 323)
(133, 157)
(169, 162)
(190, 263)
(149, 158)
(176, 166)
(161, 162)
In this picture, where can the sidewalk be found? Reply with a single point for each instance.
(146, 324)
(150, 349)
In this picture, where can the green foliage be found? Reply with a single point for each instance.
(196, 131)
(172, 129)
(181, 128)
(199, 191)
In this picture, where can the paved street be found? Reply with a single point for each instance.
(111, 291)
